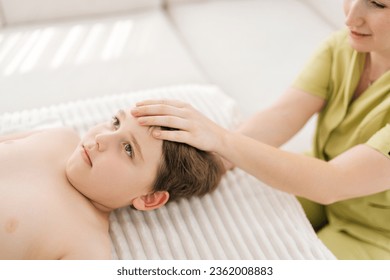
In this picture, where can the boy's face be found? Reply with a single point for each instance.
(115, 162)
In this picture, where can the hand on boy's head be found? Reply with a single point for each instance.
(191, 126)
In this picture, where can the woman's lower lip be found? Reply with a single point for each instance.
(358, 35)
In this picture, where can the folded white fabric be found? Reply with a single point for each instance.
(242, 219)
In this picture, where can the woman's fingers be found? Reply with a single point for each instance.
(169, 113)
(169, 102)
(168, 121)
(157, 110)
(160, 107)
(173, 135)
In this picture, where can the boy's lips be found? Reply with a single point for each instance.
(86, 156)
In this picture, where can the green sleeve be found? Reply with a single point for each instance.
(316, 75)
(380, 141)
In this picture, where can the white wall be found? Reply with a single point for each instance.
(42, 10)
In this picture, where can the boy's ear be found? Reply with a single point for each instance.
(151, 201)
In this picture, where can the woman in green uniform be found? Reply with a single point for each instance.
(345, 182)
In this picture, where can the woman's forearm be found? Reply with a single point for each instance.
(349, 175)
(270, 127)
(278, 123)
(292, 173)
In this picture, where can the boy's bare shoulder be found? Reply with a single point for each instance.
(61, 132)
(67, 132)
(63, 139)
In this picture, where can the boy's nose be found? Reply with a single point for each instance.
(101, 141)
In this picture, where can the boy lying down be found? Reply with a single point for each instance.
(58, 190)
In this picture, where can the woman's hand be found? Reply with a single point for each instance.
(191, 126)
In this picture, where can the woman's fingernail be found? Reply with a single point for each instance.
(135, 111)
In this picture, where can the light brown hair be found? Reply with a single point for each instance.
(186, 171)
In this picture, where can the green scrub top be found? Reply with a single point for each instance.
(333, 74)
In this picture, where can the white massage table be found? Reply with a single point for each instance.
(243, 219)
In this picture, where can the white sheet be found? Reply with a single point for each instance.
(242, 219)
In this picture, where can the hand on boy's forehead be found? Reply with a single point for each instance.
(127, 114)
(141, 136)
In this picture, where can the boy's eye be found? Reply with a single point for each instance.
(128, 150)
(115, 122)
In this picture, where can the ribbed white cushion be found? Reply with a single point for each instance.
(242, 219)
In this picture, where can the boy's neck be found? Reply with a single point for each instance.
(104, 210)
